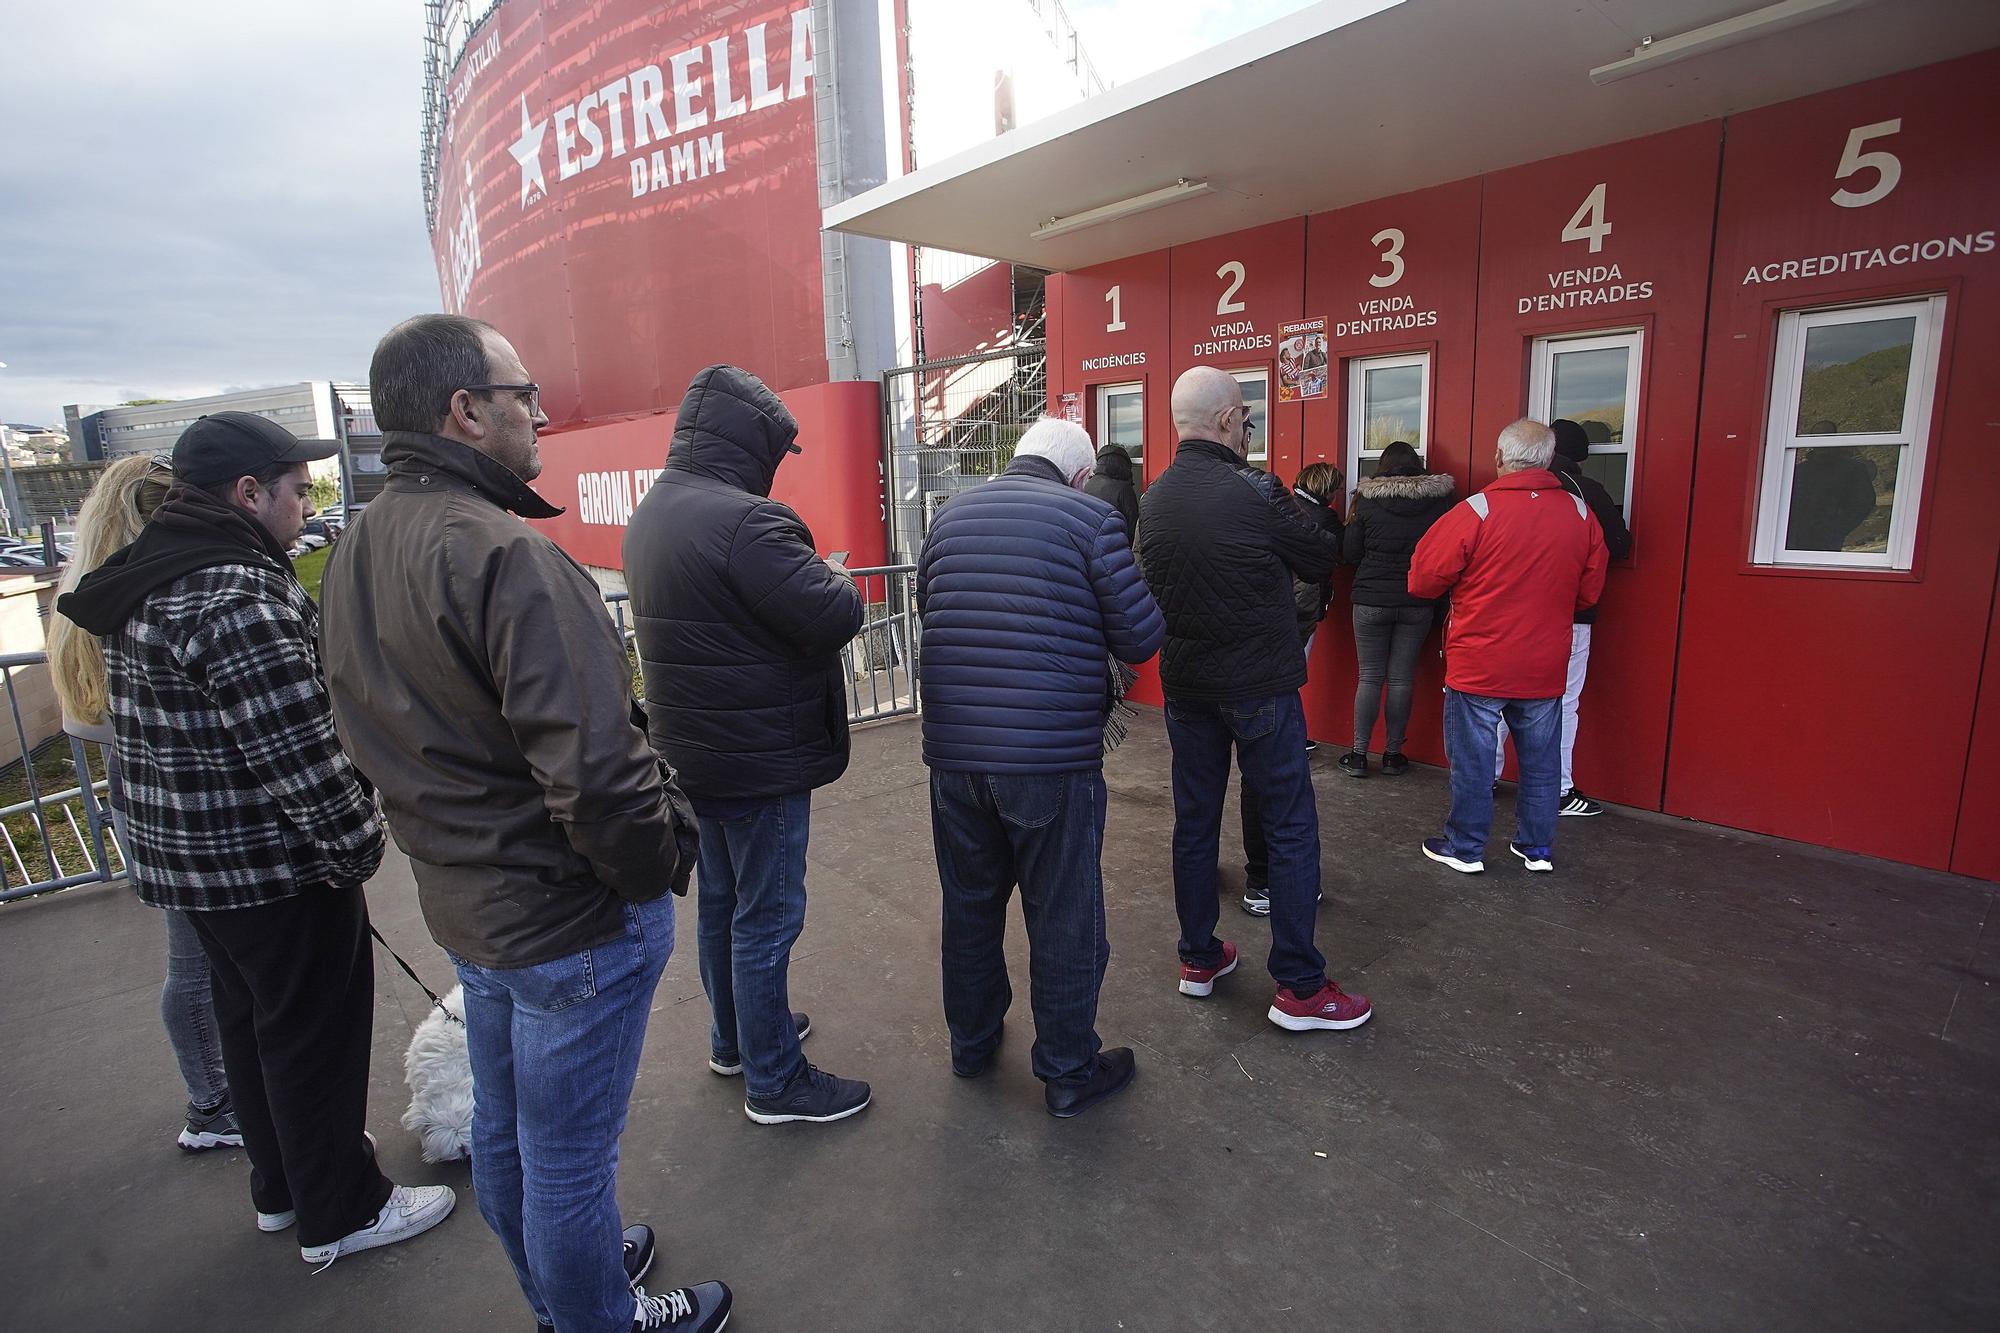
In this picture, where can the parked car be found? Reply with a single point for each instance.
(327, 530)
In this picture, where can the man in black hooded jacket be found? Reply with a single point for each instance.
(740, 627)
(1112, 483)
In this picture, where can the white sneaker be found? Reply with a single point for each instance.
(411, 1210)
(276, 1221)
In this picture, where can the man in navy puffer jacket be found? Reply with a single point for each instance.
(1027, 589)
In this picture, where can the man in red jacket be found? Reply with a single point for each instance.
(1519, 560)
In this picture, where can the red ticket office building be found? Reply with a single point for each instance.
(1778, 317)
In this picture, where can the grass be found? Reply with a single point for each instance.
(55, 771)
(310, 568)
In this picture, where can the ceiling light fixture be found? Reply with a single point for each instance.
(1124, 208)
(1659, 52)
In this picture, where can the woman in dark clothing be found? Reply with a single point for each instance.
(1112, 483)
(1392, 511)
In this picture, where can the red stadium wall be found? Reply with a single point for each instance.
(1750, 695)
(599, 473)
(1395, 276)
(1846, 707)
(627, 190)
(1648, 271)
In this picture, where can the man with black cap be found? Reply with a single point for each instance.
(244, 813)
(1572, 448)
(740, 627)
(478, 679)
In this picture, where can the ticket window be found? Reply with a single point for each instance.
(1852, 394)
(1121, 421)
(1593, 380)
(1256, 386)
(1388, 399)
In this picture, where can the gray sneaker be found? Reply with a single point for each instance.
(411, 1211)
(211, 1129)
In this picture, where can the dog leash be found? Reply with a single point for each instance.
(411, 973)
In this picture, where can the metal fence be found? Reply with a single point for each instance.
(949, 425)
(879, 665)
(61, 836)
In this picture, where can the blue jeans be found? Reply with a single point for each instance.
(753, 906)
(554, 1048)
(187, 1009)
(1043, 832)
(1470, 721)
(1268, 736)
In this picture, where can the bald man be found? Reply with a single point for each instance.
(1223, 543)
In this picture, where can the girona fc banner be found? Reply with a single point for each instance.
(627, 190)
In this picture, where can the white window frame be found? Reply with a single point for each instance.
(1105, 393)
(1782, 440)
(1357, 409)
(1260, 443)
(1542, 388)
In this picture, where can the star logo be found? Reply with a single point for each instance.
(527, 151)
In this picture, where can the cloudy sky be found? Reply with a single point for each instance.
(211, 194)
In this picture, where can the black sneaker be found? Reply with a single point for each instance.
(1112, 1076)
(1256, 900)
(1311, 745)
(702, 1308)
(1575, 802)
(1354, 764)
(1395, 765)
(730, 1067)
(639, 1252)
(814, 1095)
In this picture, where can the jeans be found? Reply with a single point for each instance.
(1469, 722)
(1387, 642)
(1268, 736)
(1043, 832)
(294, 988)
(1579, 665)
(187, 1008)
(555, 1047)
(753, 906)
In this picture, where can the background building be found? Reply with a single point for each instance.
(312, 410)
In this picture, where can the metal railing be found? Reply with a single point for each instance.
(59, 838)
(43, 847)
(879, 665)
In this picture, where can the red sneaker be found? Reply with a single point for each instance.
(1331, 1008)
(1201, 980)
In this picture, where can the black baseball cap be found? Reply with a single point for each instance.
(223, 446)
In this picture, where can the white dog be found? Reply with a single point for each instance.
(439, 1072)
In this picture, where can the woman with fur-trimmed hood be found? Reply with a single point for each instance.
(1392, 511)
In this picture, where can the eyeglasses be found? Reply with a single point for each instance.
(533, 392)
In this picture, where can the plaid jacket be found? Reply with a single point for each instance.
(237, 792)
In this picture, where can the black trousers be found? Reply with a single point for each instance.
(294, 992)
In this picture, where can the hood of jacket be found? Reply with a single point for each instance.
(191, 530)
(1114, 463)
(409, 453)
(1408, 492)
(733, 429)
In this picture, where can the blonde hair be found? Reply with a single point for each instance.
(124, 497)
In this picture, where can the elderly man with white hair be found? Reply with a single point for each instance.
(1028, 591)
(1223, 544)
(1519, 559)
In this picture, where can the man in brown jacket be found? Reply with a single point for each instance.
(477, 679)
